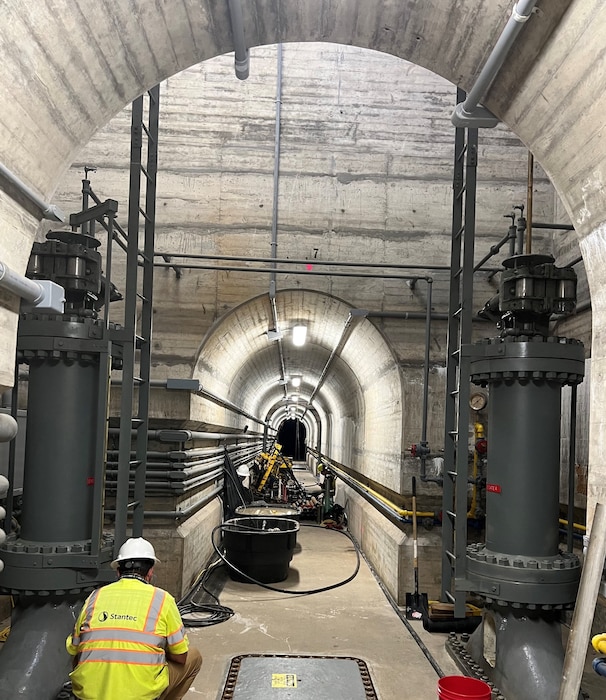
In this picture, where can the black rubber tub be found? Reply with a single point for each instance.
(261, 548)
(269, 510)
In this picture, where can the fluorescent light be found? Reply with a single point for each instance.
(296, 382)
(299, 334)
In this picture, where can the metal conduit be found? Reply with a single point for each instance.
(163, 435)
(241, 54)
(274, 214)
(46, 210)
(396, 515)
(315, 262)
(470, 114)
(278, 271)
(345, 333)
(198, 390)
(180, 514)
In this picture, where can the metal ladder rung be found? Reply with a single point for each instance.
(452, 475)
(450, 555)
(134, 462)
(144, 214)
(451, 514)
(133, 504)
(450, 596)
(150, 138)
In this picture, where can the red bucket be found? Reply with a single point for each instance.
(462, 688)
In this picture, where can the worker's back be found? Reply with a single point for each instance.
(121, 636)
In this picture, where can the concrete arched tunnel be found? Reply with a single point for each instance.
(322, 191)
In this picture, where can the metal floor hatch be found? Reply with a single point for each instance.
(267, 676)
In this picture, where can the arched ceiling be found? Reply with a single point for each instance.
(116, 51)
(239, 361)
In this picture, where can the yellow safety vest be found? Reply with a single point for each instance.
(120, 636)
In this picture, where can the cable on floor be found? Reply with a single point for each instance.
(203, 614)
(284, 590)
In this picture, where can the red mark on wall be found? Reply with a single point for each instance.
(493, 488)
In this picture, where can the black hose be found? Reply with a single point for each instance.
(191, 611)
(283, 590)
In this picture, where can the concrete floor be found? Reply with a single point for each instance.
(353, 620)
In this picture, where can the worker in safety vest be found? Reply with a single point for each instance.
(128, 642)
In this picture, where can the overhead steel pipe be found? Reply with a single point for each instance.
(470, 114)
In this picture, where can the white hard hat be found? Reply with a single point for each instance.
(243, 470)
(135, 548)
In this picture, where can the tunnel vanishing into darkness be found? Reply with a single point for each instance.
(292, 436)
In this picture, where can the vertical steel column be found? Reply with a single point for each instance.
(132, 340)
(454, 525)
(150, 173)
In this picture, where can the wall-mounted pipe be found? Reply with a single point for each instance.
(180, 514)
(274, 215)
(46, 210)
(345, 333)
(529, 203)
(280, 271)
(194, 387)
(241, 54)
(316, 262)
(398, 516)
(470, 114)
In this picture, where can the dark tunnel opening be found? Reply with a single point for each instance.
(292, 435)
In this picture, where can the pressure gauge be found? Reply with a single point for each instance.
(478, 401)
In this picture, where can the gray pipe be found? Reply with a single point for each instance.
(8, 427)
(584, 609)
(48, 211)
(241, 55)
(469, 113)
(33, 662)
(21, 286)
(316, 262)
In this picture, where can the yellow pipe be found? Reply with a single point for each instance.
(599, 643)
(393, 506)
(478, 434)
(575, 525)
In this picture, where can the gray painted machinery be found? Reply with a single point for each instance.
(58, 552)
(520, 572)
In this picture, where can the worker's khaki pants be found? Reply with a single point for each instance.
(181, 676)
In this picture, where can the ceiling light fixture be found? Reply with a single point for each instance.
(296, 381)
(299, 333)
